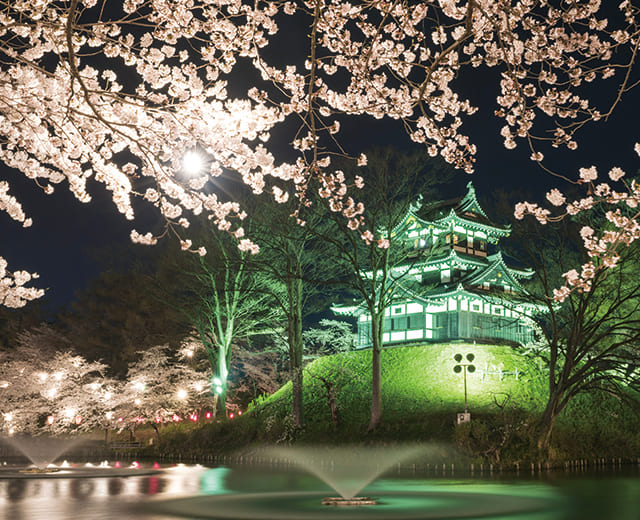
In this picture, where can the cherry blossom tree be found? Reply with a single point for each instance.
(161, 389)
(124, 93)
(589, 341)
(618, 200)
(47, 391)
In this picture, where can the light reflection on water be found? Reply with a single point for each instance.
(580, 497)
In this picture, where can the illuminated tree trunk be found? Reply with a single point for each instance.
(294, 339)
(376, 371)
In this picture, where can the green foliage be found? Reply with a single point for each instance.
(421, 395)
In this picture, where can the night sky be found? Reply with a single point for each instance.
(58, 246)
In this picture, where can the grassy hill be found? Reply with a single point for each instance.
(417, 382)
(421, 394)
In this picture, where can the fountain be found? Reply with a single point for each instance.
(43, 451)
(347, 471)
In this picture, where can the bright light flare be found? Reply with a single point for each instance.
(182, 394)
(192, 163)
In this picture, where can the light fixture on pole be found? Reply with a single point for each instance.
(464, 368)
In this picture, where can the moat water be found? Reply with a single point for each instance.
(256, 493)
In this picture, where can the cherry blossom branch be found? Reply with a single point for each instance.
(622, 229)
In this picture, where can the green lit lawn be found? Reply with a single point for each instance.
(418, 384)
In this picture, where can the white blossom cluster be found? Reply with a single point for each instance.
(622, 214)
(167, 67)
(73, 394)
(13, 290)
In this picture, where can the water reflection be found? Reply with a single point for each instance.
(575, 497)
(102, 498)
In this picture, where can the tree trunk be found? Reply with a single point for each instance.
(549, 416)
(376, 372)
(296, 349)
(223, 374)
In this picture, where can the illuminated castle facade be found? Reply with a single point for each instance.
(455, 283)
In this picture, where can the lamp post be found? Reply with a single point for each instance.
(464, 368)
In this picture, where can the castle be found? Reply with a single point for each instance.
(453, 282)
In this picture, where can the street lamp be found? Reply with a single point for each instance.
(464, 368)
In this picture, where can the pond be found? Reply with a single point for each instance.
(255, 493)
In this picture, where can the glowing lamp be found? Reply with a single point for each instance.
(192, 162)
(50, 419)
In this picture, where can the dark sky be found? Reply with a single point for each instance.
(64, 231)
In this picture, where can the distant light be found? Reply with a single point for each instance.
(239, 412)
(194, 417)
(192, 163)
(117, 464)
(217, 382)
(69, 413)
(139, 386)
(231, 415)
(208, 415)
(182, 394)
(158, 420)
(176, 418)
(78, 420)
(218, 389)
(50, 419)
(120, 419)
(109, 415)
(137, 402)
(156, 465)
(43, 376)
